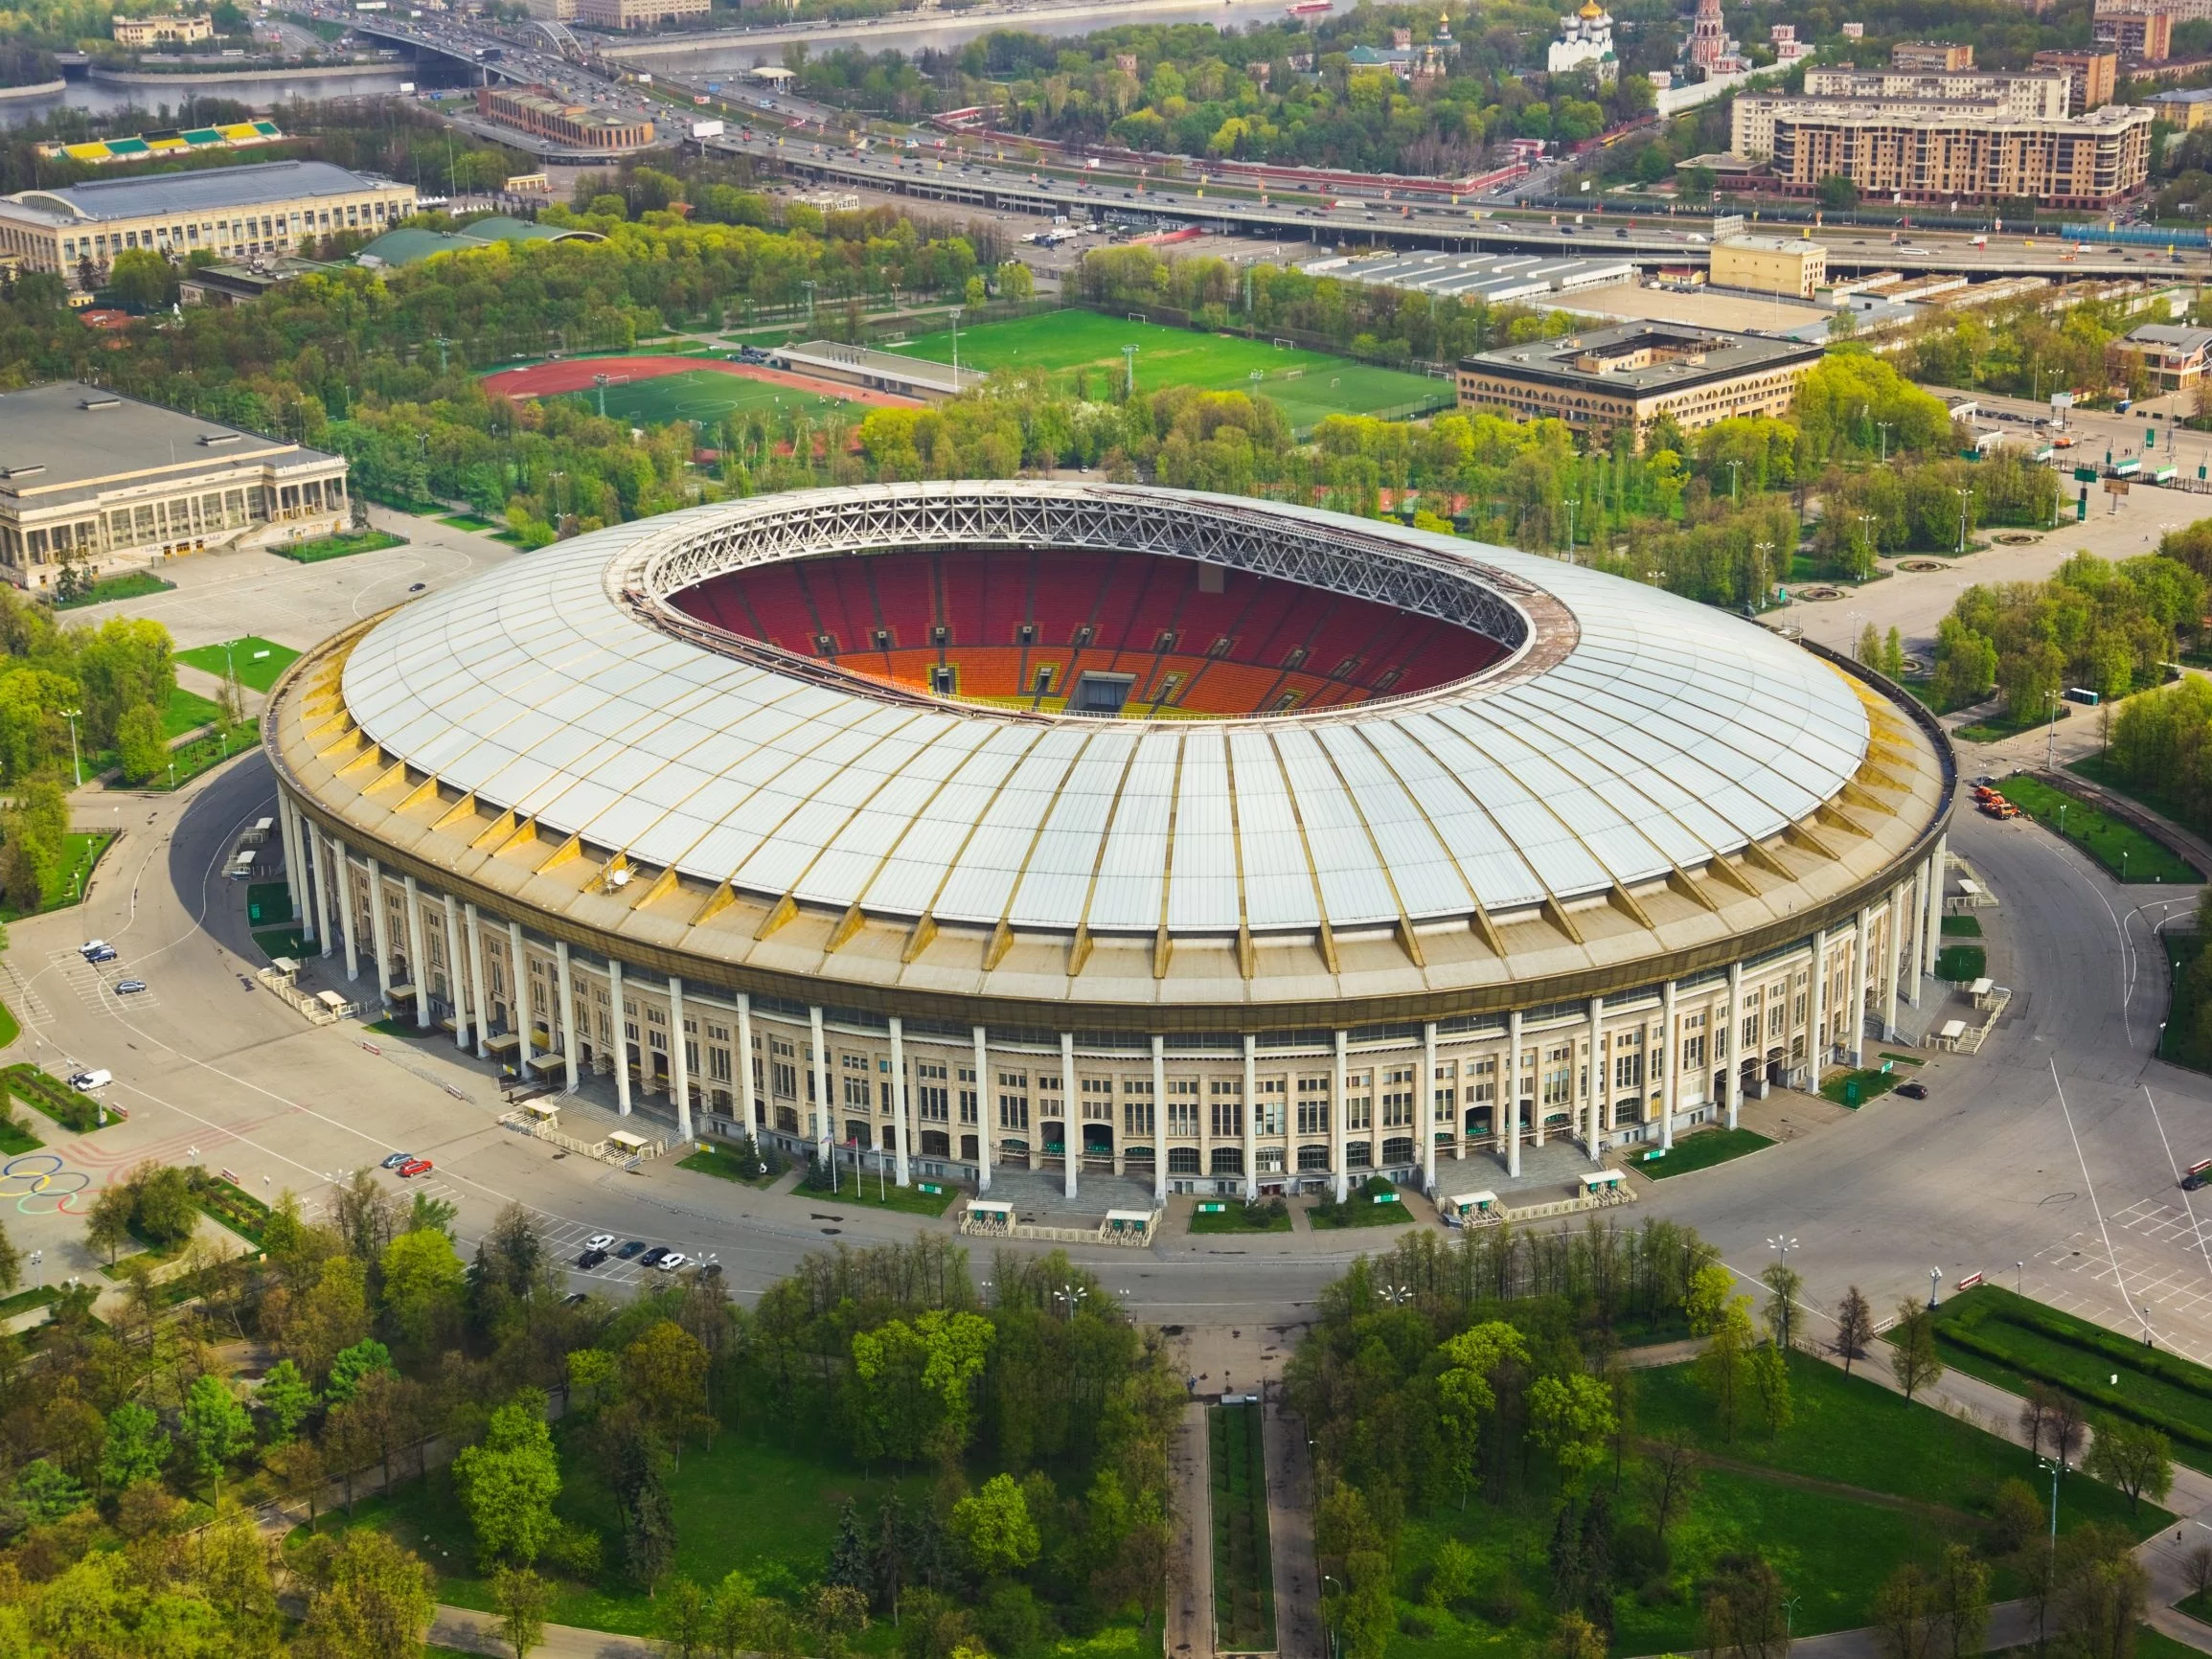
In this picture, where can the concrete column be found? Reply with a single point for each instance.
(1597, 1079)
(901, 1098)
(1938, 867)
(1817, 1035)
(1159, 1117)
(746, 1104)
(417, 963)
(1425, 1108)
(1336, 1110)
(379, 933)
(1251, 1115)
(518, 962)
(476, 978)
(1511, 1084)
(342, 866)
(824, 1127)
(319, 877)
(1071, 1124)
(679, 1059)
(1669, 1050)
(1735, 1041)
(1858, 989)
(1907, 963)
(1892, 940)
(456, 973)
(984, 1108)
(288, 825)
(621, 1037)
(1539, 1104)
(568, 992)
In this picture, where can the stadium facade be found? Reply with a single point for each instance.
(1227, 846)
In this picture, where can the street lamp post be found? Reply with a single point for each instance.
(956, 310)
(1572, 502)
(1866, 539)
(1735, 481)
(1962, 500)
(76, 765)
(1934, 1277)
(2050, 731)
(1885, 425)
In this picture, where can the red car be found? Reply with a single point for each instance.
(415, 1167)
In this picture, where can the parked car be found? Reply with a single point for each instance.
(2194, 1179)
(397, 1158)
(129, 987)
(630, 1251)
(575, 1297)
(1913, 1091)
(654, 1257)
(590, 1258)
(413, 1167)
(97, 950)
(673, 1261)
(599, 1242)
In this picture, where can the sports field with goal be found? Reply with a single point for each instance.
(702, 394)
(1305, 386)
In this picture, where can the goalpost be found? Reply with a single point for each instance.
(1139, 317)
(1285, 345)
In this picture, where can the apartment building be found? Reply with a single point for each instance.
(1916, 153)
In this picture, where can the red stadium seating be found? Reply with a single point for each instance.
(997, 617)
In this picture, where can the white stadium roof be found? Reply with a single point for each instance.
(1632, 735)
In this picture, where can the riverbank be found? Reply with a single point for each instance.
(40, 89)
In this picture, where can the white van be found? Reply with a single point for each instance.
(87, 1081)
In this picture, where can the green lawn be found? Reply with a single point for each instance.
(186, 712)
(9, 1028)
(1871, 1081)
(190, 758)
(866, 1190)
(23, 1300)
(276, 942)
(2100, 770)
(12, 1138)
(1244, 1565)
(65, 883)
(130, 584)
(1859, 1483)
(1272, 1216)
(1992, 1333)
(2001, 726)
(1961, 927)
(704, 395)
(1961, 964)
(1308, 386)
(340, 546)
(258, 661)
(1358, 1209)
(2120, 847)
(1703, 1151)
(724, 1162)
(467, 521)
(268, 902)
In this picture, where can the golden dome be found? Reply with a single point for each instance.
(1591, 8)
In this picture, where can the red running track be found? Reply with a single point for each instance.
(574, 375)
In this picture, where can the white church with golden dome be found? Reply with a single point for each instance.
(1586, 38)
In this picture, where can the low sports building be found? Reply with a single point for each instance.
(1633, 373)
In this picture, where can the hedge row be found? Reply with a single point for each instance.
(2168, 1367)
(53, 1097)
(2109, 1399)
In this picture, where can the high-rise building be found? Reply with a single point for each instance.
(2092, 76)
(2137, 36)
(1909, 153)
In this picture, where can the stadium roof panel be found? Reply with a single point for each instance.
(1631, 735)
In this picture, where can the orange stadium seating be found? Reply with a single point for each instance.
(998, 619)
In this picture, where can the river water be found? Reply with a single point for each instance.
(104, 98)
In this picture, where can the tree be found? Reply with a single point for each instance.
(1571, 1417)
(44, 1491)
(135, 1447)
(285, 1401)
(1783, 1283)
(1670, 1478)
(215, 1428)
(1466, 1395)
(995, 1527)
(1575, 1637)
(919, 1377)
(508, 1480)
(1904, 1609)
(1962, 1604)
(2066, 1427)
(592, 1374)
(1837, 193)
(1722, 1364)
(649, 1527)
(685, 1621)
(2134, 1457)
(297, 1468)
(423, 1281)
(107, 1227)
(1913, 1359)
(141, 740)
(665, 1372)
(1854, 1327)
(372, 1601)
(2099, 1591)
(2196, 1569)
(11, 1258)
(353, 1365)
(2035, 1410)
(140, 277)
(1770, 1368)
(849, 1564)
(1743, 1611)
(521, 1599)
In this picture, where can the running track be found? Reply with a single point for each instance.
(574, 374)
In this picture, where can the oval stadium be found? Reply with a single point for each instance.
(1146, 840)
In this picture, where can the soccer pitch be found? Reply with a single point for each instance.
(705, 394)
(1305, 386)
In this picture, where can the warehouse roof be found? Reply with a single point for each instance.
(68, 441)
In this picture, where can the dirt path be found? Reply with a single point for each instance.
(1832, 1488)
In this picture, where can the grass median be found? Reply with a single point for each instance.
(2121, 849)
(1703, 1151)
